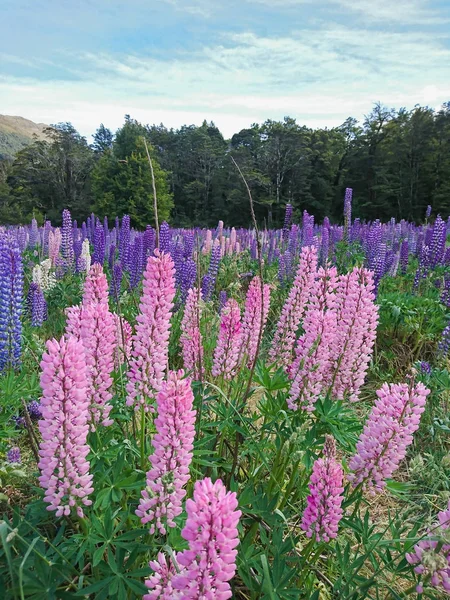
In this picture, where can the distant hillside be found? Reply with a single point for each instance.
(16, 133)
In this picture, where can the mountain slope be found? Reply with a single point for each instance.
(16, 133)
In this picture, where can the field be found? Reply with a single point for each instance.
(225, 413)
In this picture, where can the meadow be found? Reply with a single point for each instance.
(225, 413)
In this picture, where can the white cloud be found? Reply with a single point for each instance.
(319, 77)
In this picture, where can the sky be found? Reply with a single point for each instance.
(234, 62)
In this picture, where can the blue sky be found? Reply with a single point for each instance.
(231, 61)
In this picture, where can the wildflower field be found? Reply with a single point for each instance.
(228, 413)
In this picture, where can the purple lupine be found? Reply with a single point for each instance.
(188, 277)
(99, 245)
(34, 410)
(444, 344)
(34, 234)
(11, 290)
(428, 212)
(37, 305)
(45, 234)
(209, 280)
(77, 248)
(112, 256)
(404, 255)
(425, 368)
(307, 229)
(67, 250)
(348, 210)
(387, 434)
(136, 261)
(13, 455)
(223, 297)
(164, 237)
(379, 267)
(287, 220)
(325, 243)
(189, 241)
(116, 282)
(124, 241)
(323, 511)
(445, 296)
(437, 243)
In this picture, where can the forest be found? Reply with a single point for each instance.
(396, 161)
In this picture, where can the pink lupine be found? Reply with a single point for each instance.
(284, 339)
(226, 354)
(173, 443)
(191, 336)
(432, 556)
(211, 530)
(64, 428)
(255, 306)
(160, 583)
(310, 371)
(54, 244)
(124, 334)
(96, 287)
(151, 338)
(357, 319)
(323, 512)
(98, 334)
(387, 434)
(73, 321)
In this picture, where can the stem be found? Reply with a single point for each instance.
(155, 201)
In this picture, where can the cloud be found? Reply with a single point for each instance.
(318, 76)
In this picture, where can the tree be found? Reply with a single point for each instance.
(48, 176)
(122, 183)
(103, 140)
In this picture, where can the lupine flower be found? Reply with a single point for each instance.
(287, 220)
(387, 434)
(425, 367)
(444, 343)
(254, 320)
(151, 339)
(323, 512)
(226, 354)
(348, 209)
(356, 325)
(173, 444)
(223, 297)
(211, 530)
(37, 306)
(11, 290)
(431, 557)
(191, 337)
(428, 212)
(209, 280)
(437, 243)
(84, 262)
(188, 277)
(286, 332)
(116, 282)
(34, 233)
(310, 371)
(67, 250)
(99, 245)
(34, 410)
(54, 244)
(164, 237)
(160, 583)
(13, 455)
(124, 241)
(404, 255)
(64, 426)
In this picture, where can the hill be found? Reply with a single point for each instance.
(16, 133)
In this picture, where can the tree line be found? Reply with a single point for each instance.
(396, 161)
